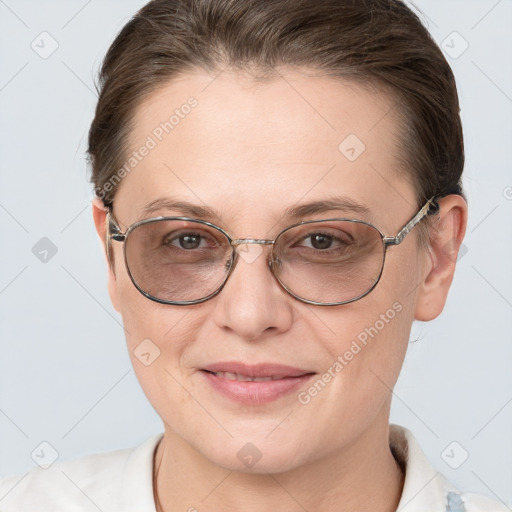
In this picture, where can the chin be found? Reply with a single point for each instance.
(253, 460)
(257, 454)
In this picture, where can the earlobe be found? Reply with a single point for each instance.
(99, 214)
(446, 236)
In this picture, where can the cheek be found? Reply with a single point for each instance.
(153, 331)
(369, 337)
(148, 323)
(390, 313)
(157, 339)
(142, 318)
(404, 270)
(372, 344)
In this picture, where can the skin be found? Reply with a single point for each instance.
(237, 151)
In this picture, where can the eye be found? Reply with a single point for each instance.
(324, 240)
(320, 241)
(190, 240)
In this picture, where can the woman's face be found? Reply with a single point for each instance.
(249, 151)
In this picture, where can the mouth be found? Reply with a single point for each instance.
(255, 384)
(246, 378)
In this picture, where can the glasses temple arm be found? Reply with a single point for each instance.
(430, 207)
(113, 230)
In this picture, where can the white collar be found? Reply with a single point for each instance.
(424, 487)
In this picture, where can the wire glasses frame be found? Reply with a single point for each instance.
(114, 233)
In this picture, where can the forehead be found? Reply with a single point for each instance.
(238, 145)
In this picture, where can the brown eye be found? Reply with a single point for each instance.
(176, 236)
(321, 241)
(187, 241)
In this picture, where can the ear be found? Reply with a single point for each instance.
(446, 234)
(99, 214)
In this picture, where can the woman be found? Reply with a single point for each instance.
(279, 197)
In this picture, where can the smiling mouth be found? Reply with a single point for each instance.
(254, 385)
(247, 378)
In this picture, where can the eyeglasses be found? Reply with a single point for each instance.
(182, 261)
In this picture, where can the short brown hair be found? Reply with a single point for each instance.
(373, 42)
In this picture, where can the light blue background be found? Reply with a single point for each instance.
(65, 376)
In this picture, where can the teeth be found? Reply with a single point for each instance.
(246, 378)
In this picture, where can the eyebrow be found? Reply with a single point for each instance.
(336, 203)
(295, 212)
(184, 207)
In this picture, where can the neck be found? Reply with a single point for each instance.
(361, 477)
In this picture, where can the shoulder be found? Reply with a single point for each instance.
(478, 503)
(105, 481)
(425, 488)
(75, 484)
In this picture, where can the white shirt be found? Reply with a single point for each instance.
(122, 481)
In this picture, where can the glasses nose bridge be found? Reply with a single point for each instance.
(260, 241)
(254, 241)
(271, 259)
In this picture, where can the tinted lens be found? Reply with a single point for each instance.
(329, 261)
(175, 260)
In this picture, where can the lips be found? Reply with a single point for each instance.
(254, 384)
(242, 371)
(246, 378)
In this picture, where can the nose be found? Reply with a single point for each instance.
(252, 304)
